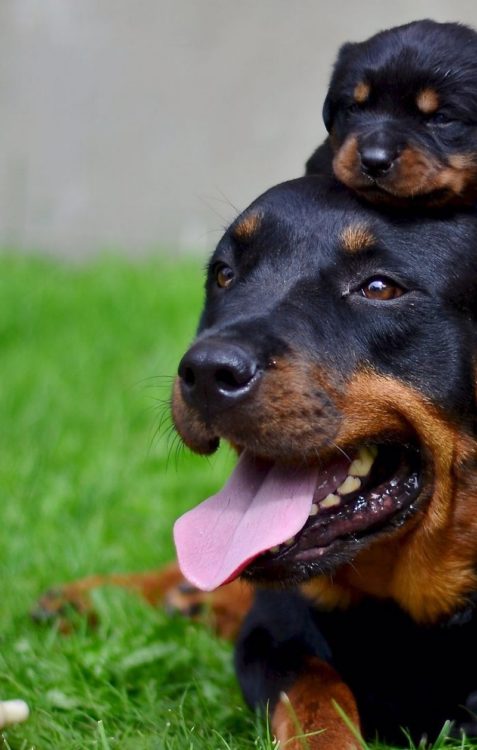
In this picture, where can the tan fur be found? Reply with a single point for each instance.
(361, 92)
(309, 706)
(347, 164)
(223, 610)
(415, 173)
(356, 237)
(195, 434)
(292, 411)
(248, 226)
(462, 161)
(428, 101)
(428, 566)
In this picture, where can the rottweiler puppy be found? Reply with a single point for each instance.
(401, 112)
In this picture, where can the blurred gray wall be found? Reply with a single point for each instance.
(138, 125)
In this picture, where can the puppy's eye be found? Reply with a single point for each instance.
(381, 288)
(440, 118)
(224, 275)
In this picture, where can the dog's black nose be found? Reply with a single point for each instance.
(216, 374)
(377, 160)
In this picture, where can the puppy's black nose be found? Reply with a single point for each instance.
(216, 374)
(377, 160)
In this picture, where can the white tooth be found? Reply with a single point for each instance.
(313, 510)
(330, 501)
(350, 484)
(361, 465)
(290, 541)
(274, 550)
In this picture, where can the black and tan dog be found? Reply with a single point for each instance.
(401, 111)
(336, 353)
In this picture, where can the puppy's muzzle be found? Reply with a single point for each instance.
(378, 151)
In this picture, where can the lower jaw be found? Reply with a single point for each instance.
(321, 560)
(327, 550)
(385, 194)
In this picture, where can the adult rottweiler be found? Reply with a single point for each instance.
(401, 111)
(336, 352)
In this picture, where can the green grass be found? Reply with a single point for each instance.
(91, 480)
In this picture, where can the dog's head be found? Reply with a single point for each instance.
(335, 352)
(401, 111)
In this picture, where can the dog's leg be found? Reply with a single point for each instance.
(223, 609)
(281, 661)
(309, 709)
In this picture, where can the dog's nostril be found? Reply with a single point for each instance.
(231, 380)
(188, 376)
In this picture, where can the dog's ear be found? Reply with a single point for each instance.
(329, 106)
(328, 112)
(345, 53)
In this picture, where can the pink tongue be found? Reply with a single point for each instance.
(261, 506)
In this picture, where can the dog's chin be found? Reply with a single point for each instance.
(388, 193)
(404, 191)
(344, 523)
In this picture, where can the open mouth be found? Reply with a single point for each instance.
(279, 522)
(379, 493)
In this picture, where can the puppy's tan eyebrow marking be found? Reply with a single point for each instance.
(356, 237)
(361, 92)
(248, 226)
(427, 101)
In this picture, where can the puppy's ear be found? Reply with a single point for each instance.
(345, 53)
(328, 112)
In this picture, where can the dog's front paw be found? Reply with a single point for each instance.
(59, 603)
(223, 610)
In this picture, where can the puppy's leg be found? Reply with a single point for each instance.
(281, 661)
(223, 609)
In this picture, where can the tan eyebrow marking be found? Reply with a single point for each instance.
(361, 92)
(427, 101)
(357, 237)
(248, 226)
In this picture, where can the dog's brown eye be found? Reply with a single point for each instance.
(224, 276)
(381, 288)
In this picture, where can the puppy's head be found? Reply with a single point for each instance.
(401, 111)
(335, 352)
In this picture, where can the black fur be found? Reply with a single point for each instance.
(398, 64)
(297, 295)
(297, 290)
(401, 674)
